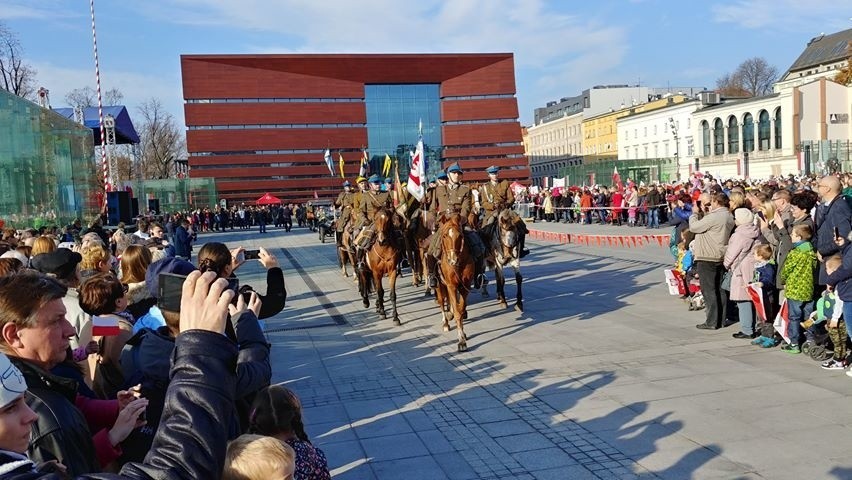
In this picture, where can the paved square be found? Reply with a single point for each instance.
(604, 376)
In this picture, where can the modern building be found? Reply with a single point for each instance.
(261, 123)
(822, 57)
(604, 98)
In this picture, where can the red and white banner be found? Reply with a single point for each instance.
(417, 173)
(755, 292)
(105, 326)
(782, 320)
(629, 241)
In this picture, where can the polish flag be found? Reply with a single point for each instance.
(417, 173)
(755, 293)
(105, 326)
(782, 320)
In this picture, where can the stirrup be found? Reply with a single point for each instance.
(481, 280)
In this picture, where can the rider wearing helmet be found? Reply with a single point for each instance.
(496, 195)
(371, 201)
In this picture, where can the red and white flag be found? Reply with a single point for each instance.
(616, 179)
(105, 326)
(417, 173)
(782, 320)
(755, 293)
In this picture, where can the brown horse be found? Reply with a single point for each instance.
(381, 259)
(501, 249)
(455, 272)
(345, 252)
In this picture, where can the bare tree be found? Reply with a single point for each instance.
(16, 76)
(88, 97)
(753, 77)
(162, 142)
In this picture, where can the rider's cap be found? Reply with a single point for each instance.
(454, 168)
(346, 183)
(375, 178)
(492, 169)
(360, 179)
(442, 176)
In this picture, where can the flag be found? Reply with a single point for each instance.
(340, 161)
(365, 162)
(328, 162)
(316, 196)
(616, 179)
(397, 189)
(782, 320)
(105, 326)
(756, 294)
(387, 166)
(417, 172)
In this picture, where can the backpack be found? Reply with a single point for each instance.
(138, 443)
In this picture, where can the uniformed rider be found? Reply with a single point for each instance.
(495, 196)
(344, 203)
(371, 201)
(453, 197)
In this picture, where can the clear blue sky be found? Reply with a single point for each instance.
(560, 47)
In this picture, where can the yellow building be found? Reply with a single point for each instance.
(600, 133)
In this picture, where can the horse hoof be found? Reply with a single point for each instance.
(366, 304)
(503, 305)
(519, 307)
(446, 328)
(397, 322)
(462, 347)
(483, 292)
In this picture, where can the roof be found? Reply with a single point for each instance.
(124, 130)
(822, 50)
(737, 102)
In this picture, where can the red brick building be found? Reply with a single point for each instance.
(261, 123)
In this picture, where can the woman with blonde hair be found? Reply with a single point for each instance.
(134, 266)
(43, 245)
(96, 259)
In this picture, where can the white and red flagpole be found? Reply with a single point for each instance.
(104, 160)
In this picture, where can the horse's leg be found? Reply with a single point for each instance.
(441, 296)
(483, 290)
(426, 271)
(459, 311)
(519, 280)
(380, 291)
(341, 258)
(363, 286)
(392, 286)
(501, 286)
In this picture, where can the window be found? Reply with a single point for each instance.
(718, 137)
(646, 151)
(656, 150)
(705, 138)
(748, 133)
(646, 132)
(635, 133)
(733, 135)
(778, 128)
(666, 149)
(635, 153)
(763, 128)
(655, 129)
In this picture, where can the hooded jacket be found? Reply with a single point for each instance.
(798, 273)
(739, 259)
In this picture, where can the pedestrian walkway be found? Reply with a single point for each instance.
(604, 376)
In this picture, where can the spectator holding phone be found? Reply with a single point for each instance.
(216, 257)
(832, 221)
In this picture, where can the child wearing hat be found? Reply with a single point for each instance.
(16, 421)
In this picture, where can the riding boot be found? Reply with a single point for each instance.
(522, 251)
(432, 263)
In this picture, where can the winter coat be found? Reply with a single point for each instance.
(712, 233)
(841, 279)
(836, 214)
(139, 299)
(80, 320)
(740, 261)
(798, 273)
(785, 243)
(182, 243)
(653, 198)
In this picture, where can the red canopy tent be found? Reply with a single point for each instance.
(268, 199)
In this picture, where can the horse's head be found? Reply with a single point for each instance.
(508, 231)
(383, 222)
(452, 238)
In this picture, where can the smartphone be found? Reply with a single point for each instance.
(836, 233)
(169, 291)
(241, 257)
(252, 254)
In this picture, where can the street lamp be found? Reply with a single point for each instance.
(673, 127)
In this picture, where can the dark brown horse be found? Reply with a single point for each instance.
(501, 250)
(455, 274)
(345, 252)
(382, 259)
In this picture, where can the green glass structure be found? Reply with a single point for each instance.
(48, 175)
(177, 194)
(648, 170)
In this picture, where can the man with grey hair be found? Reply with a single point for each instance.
(832, 219)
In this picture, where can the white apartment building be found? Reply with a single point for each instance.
(662, 133)
(554, 145)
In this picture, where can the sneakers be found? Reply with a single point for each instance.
(791, 349)
(758, 340)
(832, 364)
(768, 342)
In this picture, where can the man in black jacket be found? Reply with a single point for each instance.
(833, 215)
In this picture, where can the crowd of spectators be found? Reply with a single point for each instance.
(109, 373)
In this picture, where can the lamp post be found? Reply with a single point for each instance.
(673, 127)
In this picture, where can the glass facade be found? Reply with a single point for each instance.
(393, 115)
(177, 193)
(48, 174)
